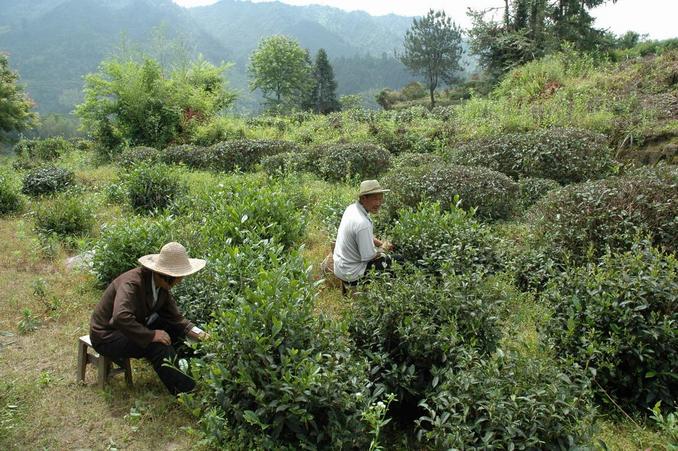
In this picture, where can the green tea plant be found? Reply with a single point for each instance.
(491, 193)
(120, 244)
(510, 401)
(196, 157)
(587, 218)
(336, 162)
(138, 154)
(153, 188)
(279, 375)
(64, 215)
(42, 149)
(409, 325)
(566, 155)
(618, 318)
(245, 154)
(531, 189)
(47, 180)
(432, 238)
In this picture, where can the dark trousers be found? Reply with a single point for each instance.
(120, 347)
(384, 263)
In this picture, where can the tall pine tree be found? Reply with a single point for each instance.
(323, 96)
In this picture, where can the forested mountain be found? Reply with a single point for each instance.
(53, 43)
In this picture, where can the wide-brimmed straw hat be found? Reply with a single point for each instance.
(371, 187)
(172, 261)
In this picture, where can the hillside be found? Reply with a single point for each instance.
(53, 43)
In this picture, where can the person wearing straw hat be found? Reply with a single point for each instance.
(357, 250)
(137, 316)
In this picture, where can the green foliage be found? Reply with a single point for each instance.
(245, 154)
(122, 243)
(592, 216)
(281, 376)
(531, 189)
(413, 160)
(492, 193)
(565, 155)
(139, 154)
(11, 200)
(511, 401)
(433, 238)
(405, 341)
(64, 215)
(323, 96)
(281, 69)
(135, 104)
(618, 318)
(47, 149)
(153, 188)
(336, 162)
(28, 322)
(15, 114)
(432, 49)
(196, 157)
(47, 180)
(218, 129)
(286, 162)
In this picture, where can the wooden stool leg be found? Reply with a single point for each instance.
(104, 367)
(127, 365)
(82, 362)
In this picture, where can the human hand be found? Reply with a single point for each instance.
(160, 336)
(387, 246)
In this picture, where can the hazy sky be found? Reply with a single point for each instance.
(654, 17)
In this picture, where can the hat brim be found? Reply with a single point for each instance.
(150, 262)
(376, 191)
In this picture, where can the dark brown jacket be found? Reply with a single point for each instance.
(126, 305)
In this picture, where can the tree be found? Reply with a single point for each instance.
(15, 105)
(281, 69)
(323, 96)
(130, 102)
(433, 49)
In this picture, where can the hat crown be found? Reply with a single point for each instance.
(371, 187)
(173, 255)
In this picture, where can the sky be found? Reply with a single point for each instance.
(657, 18)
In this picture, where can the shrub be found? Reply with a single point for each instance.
(47, 149)
(410, 160)
(508, 402)
(122, 243)
(47, 179)
(405, 340)
(286, 162)
(531, 189)
(619, 318)
(492, 193)
(566, 155)
(279, 375)
(610, 212)
(244, 154)
(433, 238)
(11, 200)
(139, 154)
(336, 162)
(152, 188)
(64, 215)
(192, 156)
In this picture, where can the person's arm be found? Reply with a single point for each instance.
(170, 313)
(124, 319)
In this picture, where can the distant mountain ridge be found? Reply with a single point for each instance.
(54, 43)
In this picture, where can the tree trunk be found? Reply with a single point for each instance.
(433, 102)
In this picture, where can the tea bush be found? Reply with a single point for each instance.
(566, 155)
(245, 154)
(122, 243)
(610, 212)
(64, 215)
(336, 162)
(47, 149)
(279, 375)
(46, 180)
(152, 188)
(409, 160)
(11, 200)
(286, 162)
(192, 156)
(422, 324)
(619, 318)
(507, 402)
(139, 154)
(432, 238)
(531, 189)
(492, 193)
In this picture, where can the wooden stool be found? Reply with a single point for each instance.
(102, 363)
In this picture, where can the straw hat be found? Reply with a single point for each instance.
(371, 187)
(172, 261)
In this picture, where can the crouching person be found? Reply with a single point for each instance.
(137, 316)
